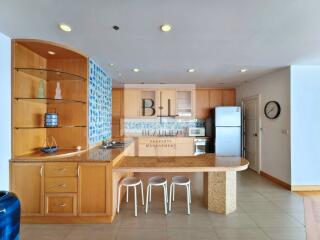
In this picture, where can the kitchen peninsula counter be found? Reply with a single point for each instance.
(220, 180)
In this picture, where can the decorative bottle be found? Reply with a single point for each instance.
(58, 91)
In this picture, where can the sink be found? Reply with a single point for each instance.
(113, 145)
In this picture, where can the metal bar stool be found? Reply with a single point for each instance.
(130, 182)
(157, 181)
(180, 181)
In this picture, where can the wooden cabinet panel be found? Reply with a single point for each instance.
(67, 169)
(202, 103)
(27, 182)
(164, 96)
(61, 184)
(215, 98)
(92, 189)
(228, 97)
(117, 101)
(131, 104)
(184, 147)
(61, 204)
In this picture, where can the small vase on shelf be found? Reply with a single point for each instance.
(41, 89)
(58, 92)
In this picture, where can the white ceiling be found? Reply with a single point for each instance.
(216, 37)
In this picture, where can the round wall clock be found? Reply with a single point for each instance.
(272, 109)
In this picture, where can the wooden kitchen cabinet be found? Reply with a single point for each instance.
(184, 146)
(117, 102)
(215, 98)
(228, 97)
(27, 182)
(92, 189)
(131, 104)
(166, 96)
(202, 103)
(185, 103)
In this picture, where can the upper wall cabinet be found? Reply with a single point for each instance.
(131, 104)
(202, 103)
(167, 102)
(228, 97)
(185, 103)
(206, 99)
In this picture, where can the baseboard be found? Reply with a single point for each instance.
(276, 180)
(305, 188)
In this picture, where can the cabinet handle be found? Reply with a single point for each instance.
(41, 171)
(78, 171)
(61, 185)
(61, 169)
(62, 205)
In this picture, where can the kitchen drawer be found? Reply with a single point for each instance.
(61, 185)
(61, 204)
(61, 169)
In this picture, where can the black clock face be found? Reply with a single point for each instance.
(272, 110)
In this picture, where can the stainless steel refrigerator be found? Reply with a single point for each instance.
(226, 131)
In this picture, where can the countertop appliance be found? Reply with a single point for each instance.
(201, 145)
(224, 127)
(196, 132)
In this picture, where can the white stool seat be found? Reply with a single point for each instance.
(180, 180)
(157, 181)
(130, 181)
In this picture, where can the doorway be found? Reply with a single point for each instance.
(251, 131)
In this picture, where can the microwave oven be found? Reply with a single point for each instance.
(197, 132)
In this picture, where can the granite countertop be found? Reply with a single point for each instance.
(95, 154)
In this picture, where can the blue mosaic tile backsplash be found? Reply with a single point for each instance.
(100, 104)
(135, 127)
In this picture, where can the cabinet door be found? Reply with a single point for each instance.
(215, 98)
(229, 97)
(117, 101)
(93, 190)
(27, 182)
(131, 104)
(202, 103)
(184, 147)
(165, 96)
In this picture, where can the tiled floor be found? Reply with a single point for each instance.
(265, 211)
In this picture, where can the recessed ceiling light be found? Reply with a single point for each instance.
(111, 64)
(65, 27)
(166, 28)
(136, 70)
(243, 70)
(51, 52)
(191, 70)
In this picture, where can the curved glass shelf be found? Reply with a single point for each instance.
(39, 127)
(49, 100)
(50, 75)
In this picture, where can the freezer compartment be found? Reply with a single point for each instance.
(228, 141)
(227, 116)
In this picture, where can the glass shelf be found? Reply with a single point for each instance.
(48, 100)
(50, 75)
(39, 127)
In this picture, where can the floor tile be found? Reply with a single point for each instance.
(46, 232)
(235, 220)
(260, 207)
(141, 234)
(286, 233)
(95, 231)
(275, 220)
(191, 234)
(241, 234)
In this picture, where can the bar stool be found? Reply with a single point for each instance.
(157, 181)
(130, 182)
(180, 181)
